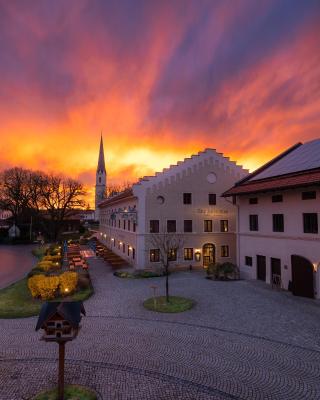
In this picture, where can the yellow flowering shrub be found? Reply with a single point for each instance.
(43, 286)
(48, 265)
(51, 258)
(68, 282)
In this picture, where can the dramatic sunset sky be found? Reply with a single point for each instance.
(162, 78)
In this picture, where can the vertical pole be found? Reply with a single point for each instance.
(61, 370)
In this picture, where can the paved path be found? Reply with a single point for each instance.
(241, 341)
(15, 262)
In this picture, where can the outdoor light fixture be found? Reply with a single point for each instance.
(120, 243)
(197, 255)
(130, 248)
(112, 239)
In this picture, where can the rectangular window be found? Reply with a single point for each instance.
(310, 223)
(253, 222)
(309, 195)
(134, 227)
(171, 225)
(207, 225)
(224, 225)
(187, 198)
(154, 226)
(124, 224)
(133, 253)
(128, 251)
(129, 225)
(253, 200)
(188, 253)
(277, 198)
(248, 261)
(224, 251)
(187, 225)
(119, 223)
(212, 199)
(123, 248)
(172, 255)
(278, 222)
(154, 255)
(119, 245)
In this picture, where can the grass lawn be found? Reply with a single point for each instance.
(16, 300)
(137, 274)
(71, 392)
(175, 304)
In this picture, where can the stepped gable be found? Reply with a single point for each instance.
(185, 167)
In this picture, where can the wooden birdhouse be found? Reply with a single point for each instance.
(60, 320)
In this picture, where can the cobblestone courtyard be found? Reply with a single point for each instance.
(241, 341)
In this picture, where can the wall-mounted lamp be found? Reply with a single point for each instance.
(130, 248)
(197, 255)
(112, 239)
(120, 243)
(316, 266)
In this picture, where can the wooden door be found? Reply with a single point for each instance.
(275, 266)
(302, 277)
(261, 268)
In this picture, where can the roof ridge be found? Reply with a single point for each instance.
(269, 163)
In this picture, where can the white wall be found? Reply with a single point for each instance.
(278, 244)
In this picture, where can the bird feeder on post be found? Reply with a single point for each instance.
(61, 323)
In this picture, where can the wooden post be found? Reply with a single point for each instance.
(61, 370)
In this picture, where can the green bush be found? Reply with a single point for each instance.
(83, 282)
(226, 270)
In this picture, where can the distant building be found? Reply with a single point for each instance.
(14, 232)
(184, 199)
(278, 221)
(101, 180)
(5, 214)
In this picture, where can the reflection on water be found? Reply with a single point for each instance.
(15, 262)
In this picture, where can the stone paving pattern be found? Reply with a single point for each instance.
(242, 340)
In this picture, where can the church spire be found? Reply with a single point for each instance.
(101, 164)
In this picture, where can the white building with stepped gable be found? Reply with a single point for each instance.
(185, 200)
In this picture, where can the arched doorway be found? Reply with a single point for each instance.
(208, 254)
(302, 277)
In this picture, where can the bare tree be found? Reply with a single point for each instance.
(59, 197)
(168, 246)
(114, 189)
(15, 191)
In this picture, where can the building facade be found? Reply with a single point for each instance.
(184, 201)
(278, 216)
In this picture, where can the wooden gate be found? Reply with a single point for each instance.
(302, 277)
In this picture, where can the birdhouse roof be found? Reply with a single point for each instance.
(69, 310)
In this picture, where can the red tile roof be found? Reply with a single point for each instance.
(114, 199)
(289, 181)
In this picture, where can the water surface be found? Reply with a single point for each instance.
(15, 262)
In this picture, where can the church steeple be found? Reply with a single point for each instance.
(101, 164)
(101, 179)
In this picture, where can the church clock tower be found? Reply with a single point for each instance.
(101, 180)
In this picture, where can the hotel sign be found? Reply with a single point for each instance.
(213, 212)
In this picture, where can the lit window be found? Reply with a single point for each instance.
(154, 255)
(224, 251)
(224, 225)
(207, 225)
(188, 253)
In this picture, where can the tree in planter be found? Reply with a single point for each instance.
(167, 246)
